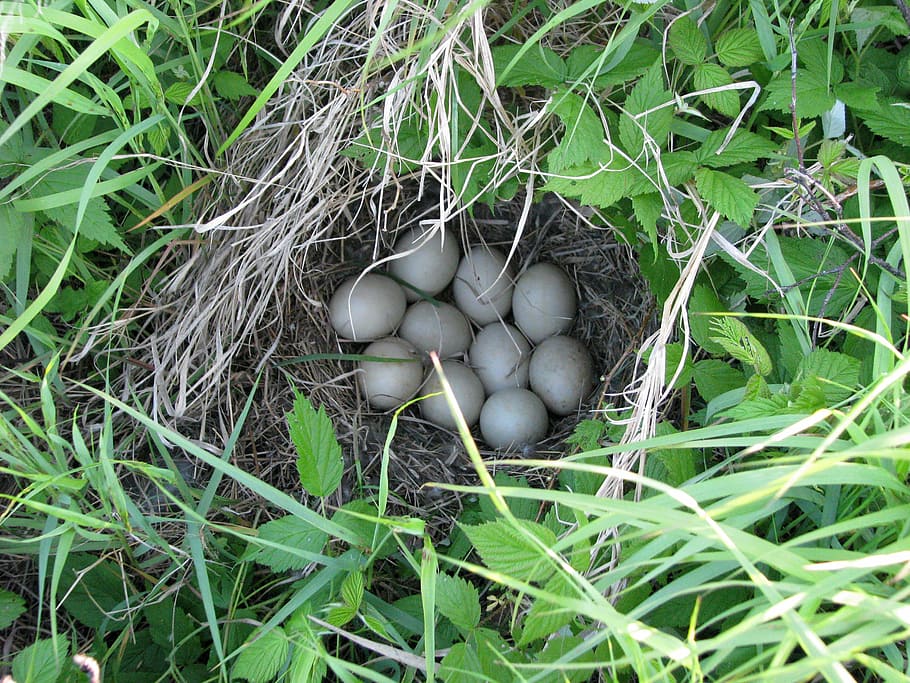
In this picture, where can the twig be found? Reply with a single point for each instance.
(799, 144)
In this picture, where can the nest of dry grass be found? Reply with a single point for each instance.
(291, 216)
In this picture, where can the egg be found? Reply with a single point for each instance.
(500, 356)
(468, 393)
(544, 302)
(366, 308)
(513, 418)
(561, 373)
(388, 384)
(426, 261)
(479, 290)
(436, 327)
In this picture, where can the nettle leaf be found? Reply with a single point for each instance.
(837, 373)
(704, 301)
(707, 76)
(319, 461)
(539, 65)
(583, 665)
(547, 615)
(736, 339)
(600, 185)
(340, 615)
(812, 95)
(687, 42)
(890, 119)
(352, 590)
(813, 54)
(41, 661)
(714, 377)
(96, 223)
(744, 147)
(505, 549)
(635, 62)
(458, 601)
(294, 533)
(672, 466)
(12, 606)
(584, 136)
(727, 194)
(262, 658)
(648, 94)
(232, 86)
(647, 208)
(739, 47)
(12, 228)
(180, 93)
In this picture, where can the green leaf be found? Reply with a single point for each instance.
(172, 630)
(584, 136)
(12, 229)
(727, 194)
(294, 533)
(457, 600)
(739, 47)
(674, 355)
(635, 62)
(319, 463)
(96, 224)
(538, 65)
(340, 615)
(232, 86)
(673, 466)
(366, 532)
(179, 94)
(93, 590)
(600, 185)
(556, 649)
(546, 616)
(837, 373)
(352, 590)
(736, 339)
(12, 606)
(70, 302)
(744, 147)
(648, 208)
(41, 661)
(704, 301)
(504, 549)
(660, 271)
(687, 42)
(262, 658)
(587, 434)
(725, 102)
(714, 377)
(812, 95)
(647, 94)
(891, 120)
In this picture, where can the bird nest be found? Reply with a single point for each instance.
(292, 215)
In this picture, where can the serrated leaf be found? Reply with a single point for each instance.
(659, 270)
(319, 461)
(12, 229)
(687, 42)
(352, 590)
(96, 223)
(704, 301)
(457, 600)
(505, 549)
(647, 208)
(294, 533)
(365, 531)
(538, 65)
(635, 62)
(648, 94)
(707, 76)
(673, 466)
(587, 434)
(891, 120)
(736, 339)
(560, 646)
(837, 373)
(262, 658)
(340, 615)
(812, 95)
(744, 147)
(600, 185)
(739, 47)
(813, 54)
(93, 590)
(584, 134)
(729, 195)
(232, 86)
(179, 93)
(546, 616)
(12, 606)
(714, 377)
(41, 661)
(307, 666)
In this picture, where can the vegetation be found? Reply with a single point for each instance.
(744, 517)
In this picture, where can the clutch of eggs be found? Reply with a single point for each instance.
(506, 355)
